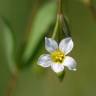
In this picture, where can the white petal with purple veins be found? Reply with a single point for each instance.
(57, 67)
(66, 45)
(50, 44)
(44, 60)
(70, 63)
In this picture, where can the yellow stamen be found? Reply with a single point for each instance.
(57, 56)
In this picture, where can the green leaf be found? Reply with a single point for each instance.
(61, 75)
(44, 18)
(8, 43)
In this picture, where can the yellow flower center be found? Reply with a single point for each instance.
(57, 56)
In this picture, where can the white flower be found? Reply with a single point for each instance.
(57, 59)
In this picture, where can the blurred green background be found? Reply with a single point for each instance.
(83, 28)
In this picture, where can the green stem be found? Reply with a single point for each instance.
(90, 5)
(12, 84)
(59, 12)
(56, 28)
(59, 6)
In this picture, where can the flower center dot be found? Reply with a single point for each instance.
(57, 56)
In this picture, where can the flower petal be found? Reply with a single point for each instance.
(66, 45)
(70, 63)
(44, 60)
(50, 44)
(57, 67)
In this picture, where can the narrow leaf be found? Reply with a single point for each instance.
(44, 18)
(8, 43)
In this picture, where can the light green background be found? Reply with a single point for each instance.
(83, 28)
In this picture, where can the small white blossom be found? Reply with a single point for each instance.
(57, 59)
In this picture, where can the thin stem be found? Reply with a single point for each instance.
(90, 5)
(93, 10)
(12, 84)
(59, 12)
(59, 2)
(55, 29)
